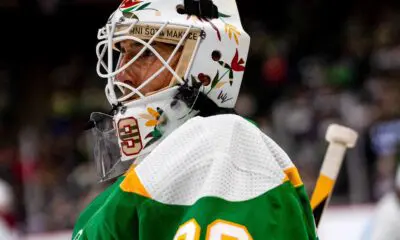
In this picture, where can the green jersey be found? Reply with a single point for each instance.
(228, 182)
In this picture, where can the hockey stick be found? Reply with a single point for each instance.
(340, 138)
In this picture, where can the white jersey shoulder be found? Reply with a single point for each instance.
(224, 156)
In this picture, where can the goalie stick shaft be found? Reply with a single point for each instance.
(340, 138)
(326, 181)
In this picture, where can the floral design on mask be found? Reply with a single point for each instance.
(229, 28)
(232, 32)
(128, 7)
(204, 79)
(153, 117)
(236, 65)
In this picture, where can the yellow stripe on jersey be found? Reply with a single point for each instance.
(292, 175)
(132, 184)
(130, 169)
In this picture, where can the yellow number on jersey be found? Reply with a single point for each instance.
(224, 230)
(188, 231)
(217, 230)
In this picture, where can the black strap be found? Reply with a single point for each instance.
(198, 100)
(201, 8)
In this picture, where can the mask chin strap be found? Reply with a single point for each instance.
(197, 100)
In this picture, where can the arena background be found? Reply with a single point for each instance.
(311, 63)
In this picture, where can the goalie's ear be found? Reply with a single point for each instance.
(200, 8)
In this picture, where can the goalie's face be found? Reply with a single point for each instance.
(146, 65)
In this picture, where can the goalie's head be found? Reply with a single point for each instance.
(165, 61)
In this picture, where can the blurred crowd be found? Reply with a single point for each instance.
(309, 65)
(294, 98)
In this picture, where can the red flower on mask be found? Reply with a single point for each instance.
(129, 3)
(236, 64)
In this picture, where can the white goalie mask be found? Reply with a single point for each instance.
(208, 54)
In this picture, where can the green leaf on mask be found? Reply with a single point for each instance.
(230, 74)
(223, 15)
(156, 133)
(215, 80)
(129, 9)
(153, 140)
(143, 6)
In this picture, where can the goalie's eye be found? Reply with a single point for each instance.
(131, 47)
(147, 53)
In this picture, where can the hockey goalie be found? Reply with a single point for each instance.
(187, 166)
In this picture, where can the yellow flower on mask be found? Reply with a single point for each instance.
(152, 117)
(232, 31)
